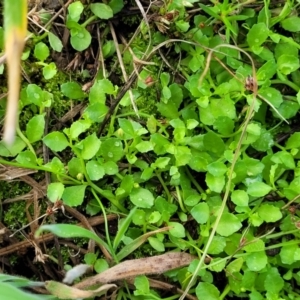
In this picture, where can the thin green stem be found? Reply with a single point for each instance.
(25, 140)
(179, 199)
(106, 227)
(193, 180)
(158, 175)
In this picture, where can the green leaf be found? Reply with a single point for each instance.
(256, 261)
(156, 244)
(285, 159)
(49, 71)
(80, 37)
(264, 142)
(141, 197)
(258, 189)
(272, 95)
(293, 141)
(99, 89)
(257, 35)
(110, 167)
(224, 125)
(41, 51)
(217, 168)
(72, 90)
(9, 292)
(112, 149)
(100, 265)
(287, 254)
(213, 143)
(116, 5)
(90, 146)
(96, 112)
(215, 183)
(35, 128)
(182, 155)
(274, 282)
(240, 198)
(267, 70)
(74, 195)
(235, 266)
(199, 161)
(55, 191)
(55, 42)
(288, 64)
(123, 227)
(102, 10)
(95, 170)
(75, 167)
(70, 231)
(161, 162)
(144, 146)
(178, 230)
(255, 245)
(217, 108)
(200, 212)
(79, 127)
(27, 158)
(142, 285)
(74, 10)
(206, 290)
(269, 213)
(228, 224)
(291, 24)
(56, 141)
(34, 94)
(217, 245)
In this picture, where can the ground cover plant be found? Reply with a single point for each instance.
(156, 153)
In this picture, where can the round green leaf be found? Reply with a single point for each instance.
(200, 212)
(102, 10)
(55, 42)
(90, 146)
(112, 149)
(291, 24)
(35, 128)
(55, 191)
(156, 244)
(258, 189)
(56, 141)
(74, 10)
(144, 146)
(256, 261)
(49, 71)
(240, 198)
(41, 51)
(274, 282)
(206, 290)
(257, 34)
(178, 230)
(288, 64)
(73, 195)
(95, 170)
(217, 168)
(111, 168)
(141, 197)
(72, 90)
(26, 158)
(228, 224)
(215, 183)
(269, 213)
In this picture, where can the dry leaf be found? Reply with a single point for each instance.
(142, 266)
(62, 291)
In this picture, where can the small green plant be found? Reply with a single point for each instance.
(209, 164)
